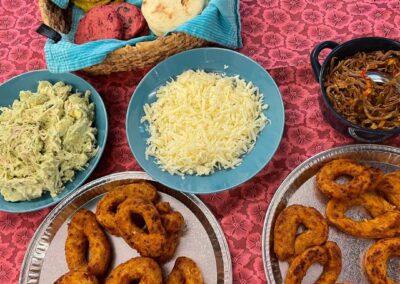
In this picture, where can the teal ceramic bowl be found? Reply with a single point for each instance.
(9, 91)
(211, 60)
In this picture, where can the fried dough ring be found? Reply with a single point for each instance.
(141, 270)
(108, 205)
(169, 248)
(328, 255)
(172, 220)
(375, 260)
(384, 224)
(286, 244)
(389, 185)
(173, 223)
(147, 242)
(362, 178)
(185, 271)
(77, 277)
(84, 233)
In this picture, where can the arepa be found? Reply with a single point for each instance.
(165, 15)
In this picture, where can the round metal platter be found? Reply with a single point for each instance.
(299, 188)
(203, 239)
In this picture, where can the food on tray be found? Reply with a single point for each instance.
(152, 229)
(360, 100)
(362, 178)
(45, 138)
(368, 187)
(385, 220)
(86, 5)
(133, 22)
(154, 241)
(173, 223)
(77, 277)
(107, 207)
(86, 238)
(172, 220)
(389, 186)
(185, 271)
(165, 15)
(148, 242)
(137, 270)
(328, 255)
(287, 243)
(376, 259)
(202, 122)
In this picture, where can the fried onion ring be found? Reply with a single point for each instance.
(185, 271)
(389, 185)
(84, 233)
(384, 224)
(328, 255)
(376, 257)
(108, 205)
(362, 178)
(286, 244)
(77, 277)
(141, 270)
(148, 242)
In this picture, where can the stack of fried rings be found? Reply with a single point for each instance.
(380, 196)
(127, 211)
(377, 192)
(159, 239)
(308, 247)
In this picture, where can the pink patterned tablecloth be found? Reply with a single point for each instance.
(277, 33)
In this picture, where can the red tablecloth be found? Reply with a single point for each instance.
(277, 33)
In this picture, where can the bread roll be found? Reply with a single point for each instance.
(165, 15)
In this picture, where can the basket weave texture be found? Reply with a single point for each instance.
(128, 58)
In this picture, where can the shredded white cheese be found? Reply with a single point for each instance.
(202, 121)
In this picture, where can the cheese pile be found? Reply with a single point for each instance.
(202, 121)
(45, 137)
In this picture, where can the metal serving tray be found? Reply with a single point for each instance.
(299, 188)
(203, 239)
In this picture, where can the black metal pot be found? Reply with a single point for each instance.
(341, 51)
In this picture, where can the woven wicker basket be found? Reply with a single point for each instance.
(144, 54)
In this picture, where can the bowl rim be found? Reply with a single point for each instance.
(322, 75)
(97, 157)
(224, 188)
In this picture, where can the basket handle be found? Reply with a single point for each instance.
(55, 17)
(48, 32)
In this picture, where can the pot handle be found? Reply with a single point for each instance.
(358, 137)
(316, 66)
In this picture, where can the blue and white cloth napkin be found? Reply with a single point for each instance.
(219, 23)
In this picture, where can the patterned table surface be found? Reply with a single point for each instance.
(279, 34)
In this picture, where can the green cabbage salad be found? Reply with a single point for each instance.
(45, 137)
